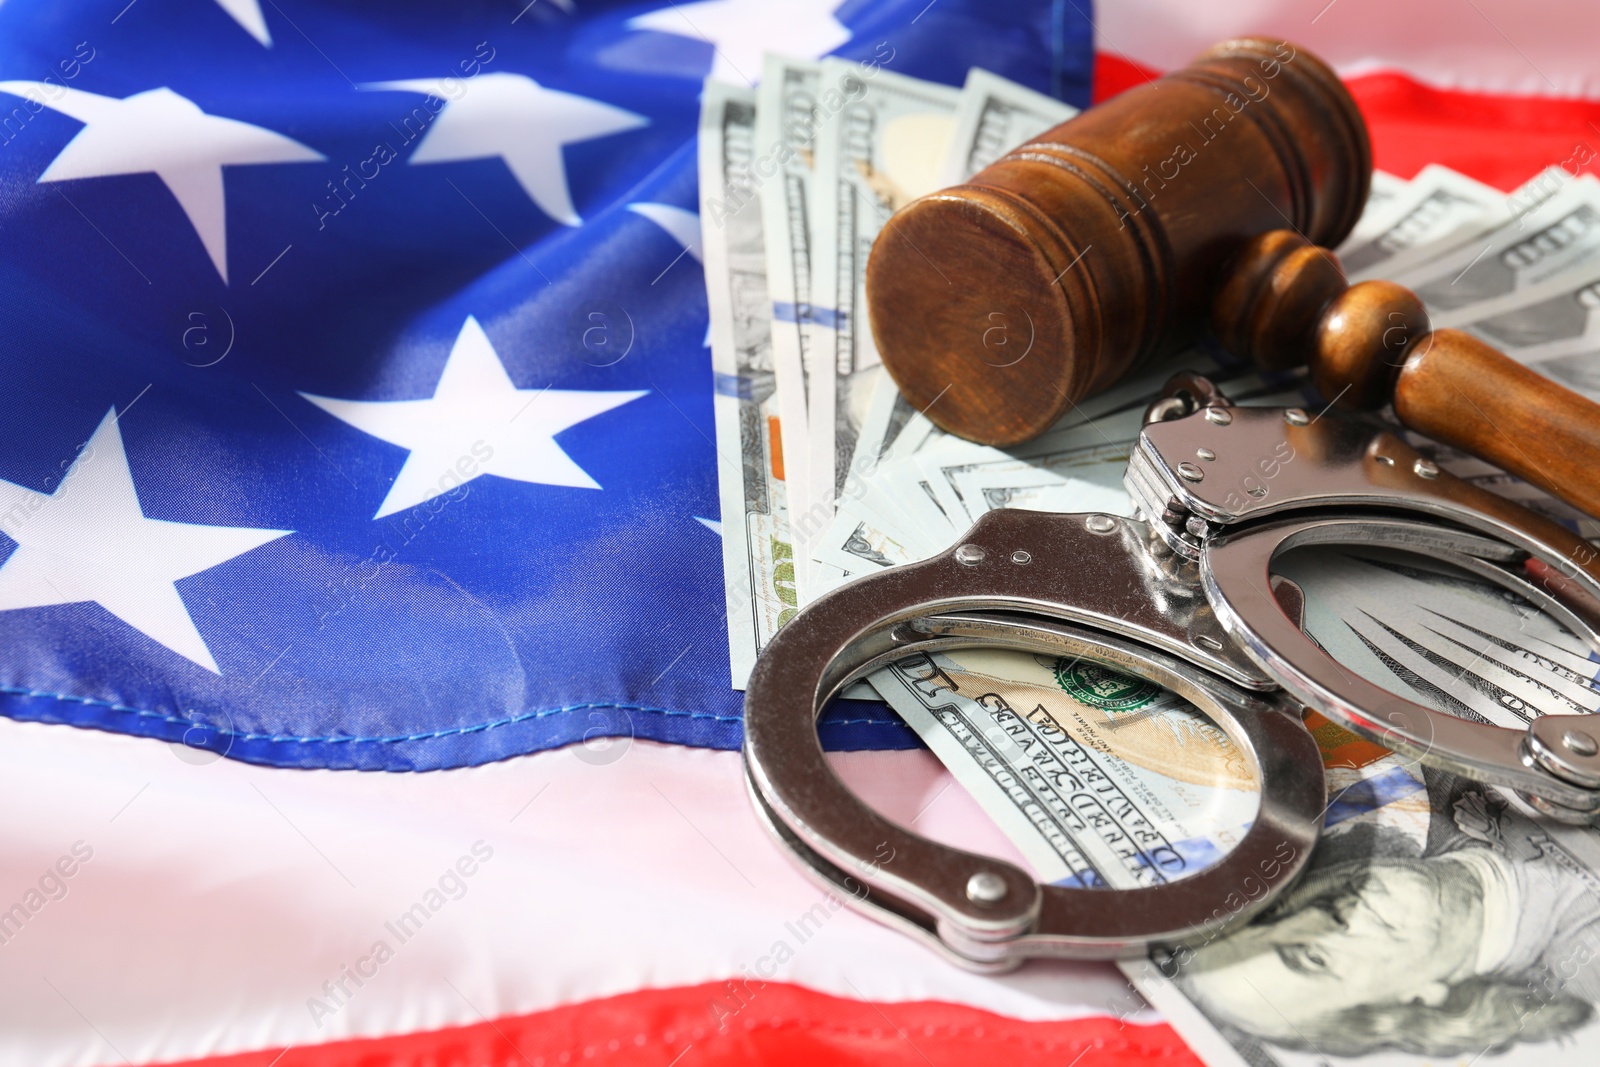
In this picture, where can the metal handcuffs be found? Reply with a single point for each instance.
(1185, 600)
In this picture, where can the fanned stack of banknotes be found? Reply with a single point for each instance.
(1441, 919)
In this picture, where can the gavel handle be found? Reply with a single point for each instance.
(1286, 302)
(1462, 392)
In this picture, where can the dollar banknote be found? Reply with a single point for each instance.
(1433, 205)
(1385, 190)
(993, 116)
(860, 541)
(788, 115)
(1553, 327)
(1078, 466)
(883, 149)
(889, 415)
(1441, 921)
(1089, 480)
(1080, 474)
(1561, 233)
(1099, 779)
(1509, 209)
(894, 513)
(1479, 652)
(758, 558)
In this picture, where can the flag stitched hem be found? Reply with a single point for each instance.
(454, 731)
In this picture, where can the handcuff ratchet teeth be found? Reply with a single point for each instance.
(1186, 601)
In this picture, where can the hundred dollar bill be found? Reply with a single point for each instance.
(788, 116)
(1385, 190)
(758, 559)
(888, 416)
(859, 541)
(1423, 628)
(1099, 779)
(903, 518)
(1511, 209)
(1472, 931)
(1553, 327)
(881, 150)
(896, 519)
(1090, 481)
(1077, 468)
(1561, 233)
(1542, 322)
(993, 116)
(1434, 204)
(1472, 934)
(996, 719)
(895, 508)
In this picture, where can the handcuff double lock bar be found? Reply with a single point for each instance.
(1185, 599)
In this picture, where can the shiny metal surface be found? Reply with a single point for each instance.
(1236, 569)
(1101, 596)
(1189, 602)
(1277, 478)
(1266, 466)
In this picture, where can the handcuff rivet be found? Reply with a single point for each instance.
(1100, 524)
(1579, 743)
(1387, 461)
(1205, 454)
(971, 555)
(1219, 416)
(986, 887)
(1189, 472)
(1425, 468)
(1207, 641)
(1296, 417)
(1022, 557)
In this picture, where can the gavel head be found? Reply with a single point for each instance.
(999, 304)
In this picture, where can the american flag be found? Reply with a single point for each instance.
(357, 417)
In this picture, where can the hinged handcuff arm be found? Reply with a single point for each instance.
(1186, 602)
(1235, 487)
(1082, 586)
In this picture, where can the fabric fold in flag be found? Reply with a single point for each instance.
(263, 908)
(412, 306)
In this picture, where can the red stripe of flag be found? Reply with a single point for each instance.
(770, 1025)
(1500, 140)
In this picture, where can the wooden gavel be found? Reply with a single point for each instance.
(1198, 201)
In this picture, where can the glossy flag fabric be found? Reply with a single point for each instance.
(358, 413)
(630, 894)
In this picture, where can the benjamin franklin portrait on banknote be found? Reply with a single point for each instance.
(1483, 936)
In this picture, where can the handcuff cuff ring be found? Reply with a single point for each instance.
(1099, 596)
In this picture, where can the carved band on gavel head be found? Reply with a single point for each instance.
(998, 304)
(1198, 201)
